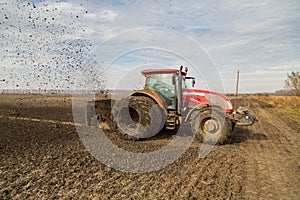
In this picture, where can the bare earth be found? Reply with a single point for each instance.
(41, 156)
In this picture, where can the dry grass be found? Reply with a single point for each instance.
(282, 101)
(287, 104)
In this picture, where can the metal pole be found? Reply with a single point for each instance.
(179, 90)
(237, 87)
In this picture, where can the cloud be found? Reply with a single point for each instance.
(257, 37)
(107, 15)
(288, 67)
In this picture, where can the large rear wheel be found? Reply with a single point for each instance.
(211, 126)
(138, 117)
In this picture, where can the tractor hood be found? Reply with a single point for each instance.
(193, 96)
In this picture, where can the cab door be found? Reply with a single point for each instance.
(165, 85)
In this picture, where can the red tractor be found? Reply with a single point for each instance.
(166, 103)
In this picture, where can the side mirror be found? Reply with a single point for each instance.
(180, 69)
(193, 83)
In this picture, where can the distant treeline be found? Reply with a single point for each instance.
(276, 93)
(287, 92)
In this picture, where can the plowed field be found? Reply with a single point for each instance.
(42, 156)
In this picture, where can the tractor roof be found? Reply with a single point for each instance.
(160, 71)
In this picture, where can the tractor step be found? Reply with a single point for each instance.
(171, 120)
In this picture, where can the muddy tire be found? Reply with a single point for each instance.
(211, 126)
(138, 117)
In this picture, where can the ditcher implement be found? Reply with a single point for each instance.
(165, 103)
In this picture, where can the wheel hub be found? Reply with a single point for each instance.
(210, 126)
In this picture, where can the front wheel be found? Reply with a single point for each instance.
(211, 126)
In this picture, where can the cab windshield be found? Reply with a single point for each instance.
(153, 81)
(165, 85)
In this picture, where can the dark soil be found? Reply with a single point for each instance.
(43, 158)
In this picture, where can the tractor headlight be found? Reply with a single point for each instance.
(229, 105)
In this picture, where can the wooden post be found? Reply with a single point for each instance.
(237, 87)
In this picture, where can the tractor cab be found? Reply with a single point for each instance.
(167, 83)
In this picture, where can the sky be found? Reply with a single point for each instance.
(105, 44)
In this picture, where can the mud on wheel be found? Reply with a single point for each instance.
(211, 126)
(137, 117)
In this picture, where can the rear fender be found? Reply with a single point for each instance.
(153, 95)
